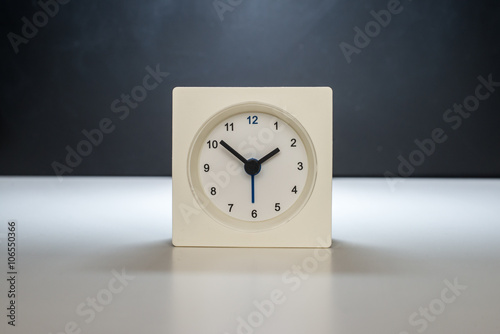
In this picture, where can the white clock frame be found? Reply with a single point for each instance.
(196, 223)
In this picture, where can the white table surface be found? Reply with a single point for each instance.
(395, 253)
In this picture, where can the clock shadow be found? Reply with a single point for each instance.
(216, 286)
(344, 257)
(148, 257)
(350, 258)
(245, 260)
(211, 282)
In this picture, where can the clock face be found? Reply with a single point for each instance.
(253, 166)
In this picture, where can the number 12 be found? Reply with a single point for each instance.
(252, 119)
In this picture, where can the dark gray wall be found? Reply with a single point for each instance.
(393, 90)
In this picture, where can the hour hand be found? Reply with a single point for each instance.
(269, 155)
(233, 151)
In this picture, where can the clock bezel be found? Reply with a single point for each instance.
(206, 203)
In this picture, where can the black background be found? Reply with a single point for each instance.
(393, 92)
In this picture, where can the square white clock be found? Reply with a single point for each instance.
(252, 166)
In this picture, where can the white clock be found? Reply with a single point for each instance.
(252, 167)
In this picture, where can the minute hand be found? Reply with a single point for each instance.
(269, 155)
(233, 151)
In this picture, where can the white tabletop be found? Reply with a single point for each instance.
(94, 255)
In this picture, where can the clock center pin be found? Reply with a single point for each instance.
(252, 166)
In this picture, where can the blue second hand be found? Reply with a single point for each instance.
(253, 189)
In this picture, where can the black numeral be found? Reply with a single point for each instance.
(213, 191)
(254, 213)
(206, 167)
(300, 166)
(277, 207)
(294, 189)
(230, 207)
(212, 144)
(229, 126)
(294, 141)
(252, 119)
(276, 125)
